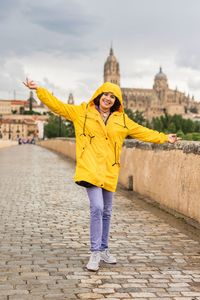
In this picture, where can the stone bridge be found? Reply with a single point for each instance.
(44, 232)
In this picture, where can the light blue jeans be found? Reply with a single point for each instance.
(100, 215)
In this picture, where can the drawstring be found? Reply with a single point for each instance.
(125, 126)
(91, 137)
(84, 124)
(84, 127)
(83, 133)
(115, 163)
(124, 121)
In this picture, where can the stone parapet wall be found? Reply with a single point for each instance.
(61, 145)
(167, 174)
(5, 143)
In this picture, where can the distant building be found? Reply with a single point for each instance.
(14, 126)
(5, 107)
(19, 107)
(12, 129)
(152, 102)
(15, 122)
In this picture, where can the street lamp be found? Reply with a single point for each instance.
(60, 125)
(9, 132)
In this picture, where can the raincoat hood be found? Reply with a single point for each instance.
(106, 88)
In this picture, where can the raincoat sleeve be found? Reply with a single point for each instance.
(68, 111)
(145, 134)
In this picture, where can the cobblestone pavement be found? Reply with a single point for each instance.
(44, 221)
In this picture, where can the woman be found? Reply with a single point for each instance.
(101, 127)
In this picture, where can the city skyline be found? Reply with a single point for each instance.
(63, 45)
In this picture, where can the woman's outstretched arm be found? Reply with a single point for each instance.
(67, 111)
(148, 135)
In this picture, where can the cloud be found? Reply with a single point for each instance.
(67, 41)
(194, 83)
(53, 27)
(12, 73)
(189, 58)
(7, 8)
(59, 17)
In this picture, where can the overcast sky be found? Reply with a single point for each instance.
(63, 44)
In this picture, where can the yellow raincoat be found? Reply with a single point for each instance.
(98, 146)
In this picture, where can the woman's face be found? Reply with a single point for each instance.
(106, 101)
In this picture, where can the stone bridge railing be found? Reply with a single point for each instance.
(167, 174)
(7, 143)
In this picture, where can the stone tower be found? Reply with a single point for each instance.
(160, 85)
(111, 69)
(31, 101)
(160, 81)
(70, 99)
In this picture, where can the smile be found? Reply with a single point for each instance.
(106, 102)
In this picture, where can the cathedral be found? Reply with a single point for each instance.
(152, 102)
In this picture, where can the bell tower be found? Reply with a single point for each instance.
(111, 69)
(70, 99)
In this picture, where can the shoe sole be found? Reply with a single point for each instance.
(111, 263)
(92, 270)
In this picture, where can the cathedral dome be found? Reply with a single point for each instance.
(160, 75)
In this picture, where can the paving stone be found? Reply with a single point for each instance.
(142, 295)
(119, 296)
(90, 296)
(104, 290)
(8, 292)
(191, 294)
(25, 297)
(110, 285)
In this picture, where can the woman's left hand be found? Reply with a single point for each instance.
(30, 84)
(172, 138)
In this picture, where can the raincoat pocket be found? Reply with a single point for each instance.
(84, 143)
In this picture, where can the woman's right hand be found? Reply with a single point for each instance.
(30, 84)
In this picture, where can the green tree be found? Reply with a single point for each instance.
(55, 127)
(171, 127)
(185, 128)
(178, 121)
(157, 124)
(196, 136)
(136, 116)
(31, 112)
(188, 126)
(180, 134)
(70, 131)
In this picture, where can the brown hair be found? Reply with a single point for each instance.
(115, 106)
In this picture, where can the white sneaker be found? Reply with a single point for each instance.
(93, 264)
(107, 257)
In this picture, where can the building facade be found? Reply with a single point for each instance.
(152, 102)
(14, 126)
(15, 123)
(5, 107)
